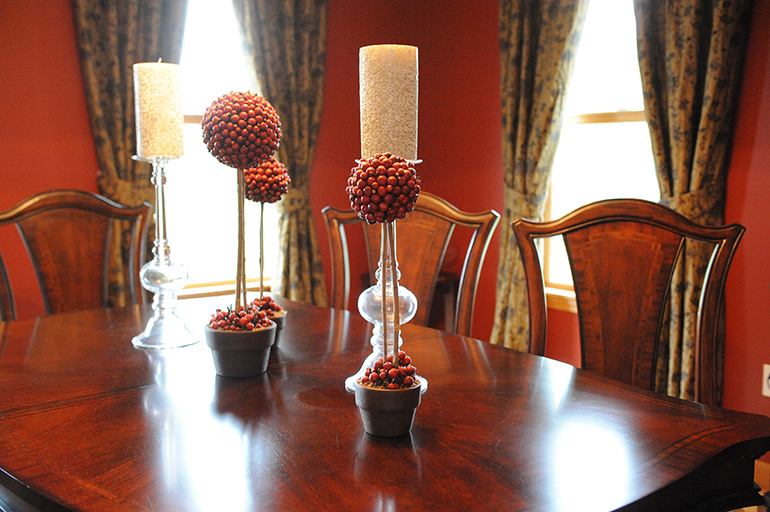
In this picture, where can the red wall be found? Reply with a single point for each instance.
(45, 142)
(748, 187)
(45, 136)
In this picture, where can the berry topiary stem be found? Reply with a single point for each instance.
(240, 271)
(261, 249)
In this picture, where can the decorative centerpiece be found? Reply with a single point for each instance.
(388, 395)
(267, 183)
(159, 122)
(384, 185)
(242, 130)
(240, 340)
(383, 188)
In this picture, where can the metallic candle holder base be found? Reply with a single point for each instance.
(163, 278)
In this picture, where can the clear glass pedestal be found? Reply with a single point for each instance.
(385, 299)
(163, 278)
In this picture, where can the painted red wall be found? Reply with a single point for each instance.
(45, 142)
(748, 187)
(45, 136)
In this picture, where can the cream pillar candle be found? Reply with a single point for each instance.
(159, 116)
(388, 94)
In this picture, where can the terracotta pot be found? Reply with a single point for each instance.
(240, 353)
(279, 319)
(387, 412)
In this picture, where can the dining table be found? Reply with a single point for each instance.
(89, 422)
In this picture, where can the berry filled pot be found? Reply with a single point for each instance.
(279, 319)
(273, 311)
(240, 342)
(243, 131)
(388, 395)
(241, 353)
(388, 412)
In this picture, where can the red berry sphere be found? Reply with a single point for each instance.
(383, 188)
(241, 129)
(246, 319)
(267, 182)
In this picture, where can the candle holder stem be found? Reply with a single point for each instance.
(163, 278)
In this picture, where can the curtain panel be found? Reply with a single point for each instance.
(538, 41)
(690, 57)
(112, 36)
(287, 42)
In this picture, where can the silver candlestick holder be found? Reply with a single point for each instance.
(162, 277)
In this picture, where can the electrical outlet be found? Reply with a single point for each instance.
(766, 380)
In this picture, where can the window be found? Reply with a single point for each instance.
(201, 206)
(604, 151)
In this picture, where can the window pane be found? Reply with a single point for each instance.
(606, 75)
(210, 70)
(202, 217)
(201, 193)
(601, 161)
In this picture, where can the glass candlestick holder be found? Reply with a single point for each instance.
(385, 300)
(162, 277)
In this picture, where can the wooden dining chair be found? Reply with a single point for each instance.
(422, 238)
(623, 254)
(68, 236)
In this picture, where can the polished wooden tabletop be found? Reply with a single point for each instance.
(88, 422)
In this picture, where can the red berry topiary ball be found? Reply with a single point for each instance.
(267, 182)
(241, 129)
(383, 188)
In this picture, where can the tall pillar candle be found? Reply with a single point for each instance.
(159, 116)
(388, 95)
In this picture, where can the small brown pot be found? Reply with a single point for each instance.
(240, 353)
(388, 412)
(279, 319)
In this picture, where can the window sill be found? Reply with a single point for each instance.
(561, 300)
(194, 291)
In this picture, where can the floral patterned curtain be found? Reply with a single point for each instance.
(287, 42)
(690, 55)
(112, 37)
(538, 41)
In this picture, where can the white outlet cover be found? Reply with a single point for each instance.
(765, 381)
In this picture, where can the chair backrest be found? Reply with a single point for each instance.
(68, 236)
(422, 238)
(623, 253)
(7, 306)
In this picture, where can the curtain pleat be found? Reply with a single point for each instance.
(112, 37)
(287, 42)
(690, 56)
(538, 42)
